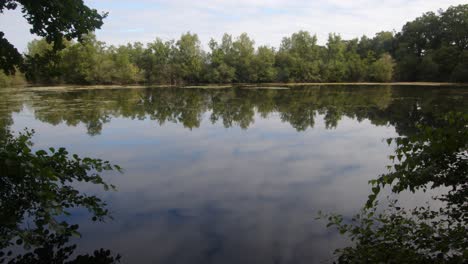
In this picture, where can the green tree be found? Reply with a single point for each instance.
(219, 66)
(89, 61)
(188, 58)
(415, 39)
(428, 69)
(136, 52)
(446, 58)
(298, 58)
(356, 66)
(156, 62)
(263, 65)
(454, 26)
(382, 69)
(242, 56)
(431, 45)
(383, 42)
(16, 79)
(123, 70)
(460, 73)
(335, 69)
(54, 20)
(42, 64)
(10, 58)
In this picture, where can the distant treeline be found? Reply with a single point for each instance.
(433, 47)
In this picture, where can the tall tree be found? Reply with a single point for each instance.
(356, 66)
(42, 64)
(156, 62)
(242, 56)
(220, 68)
(431, 46)
(54, 20)
(298, 58)
(335, 59)
(263, 65)
(188, 58)
(382, 69)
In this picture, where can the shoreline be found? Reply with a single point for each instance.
(372, 83)
(241, 85)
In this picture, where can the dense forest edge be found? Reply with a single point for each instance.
(431, 48)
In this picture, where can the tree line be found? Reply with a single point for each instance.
(433, 47)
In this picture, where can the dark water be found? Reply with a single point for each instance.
(227, 175)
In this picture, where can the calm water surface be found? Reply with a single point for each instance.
(226, 175)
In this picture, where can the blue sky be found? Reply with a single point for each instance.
(266, 21)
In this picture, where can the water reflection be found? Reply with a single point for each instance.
(230, 175)
(237, 107)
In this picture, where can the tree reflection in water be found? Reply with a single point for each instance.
(418, 117)
(401, 107)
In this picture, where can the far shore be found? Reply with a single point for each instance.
(242, 85)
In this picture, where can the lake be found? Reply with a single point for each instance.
(233, 175)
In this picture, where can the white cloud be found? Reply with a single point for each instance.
(266, 21)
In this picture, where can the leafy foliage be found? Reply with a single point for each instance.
(188, 58)
(37, 189)
(432, 46)
(9, 55)
(298, 59)
(382, 69)
(55, 248)
(16, 79)
(84, 63)
(396, 235)
(54, 20)
(436, 156)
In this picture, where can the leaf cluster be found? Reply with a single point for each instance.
(38, 189)
(434, 157)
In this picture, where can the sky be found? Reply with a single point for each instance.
(266, 21)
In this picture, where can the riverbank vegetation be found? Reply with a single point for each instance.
(433, 47)
(37, 194)
(433, 158)
(12, 80)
